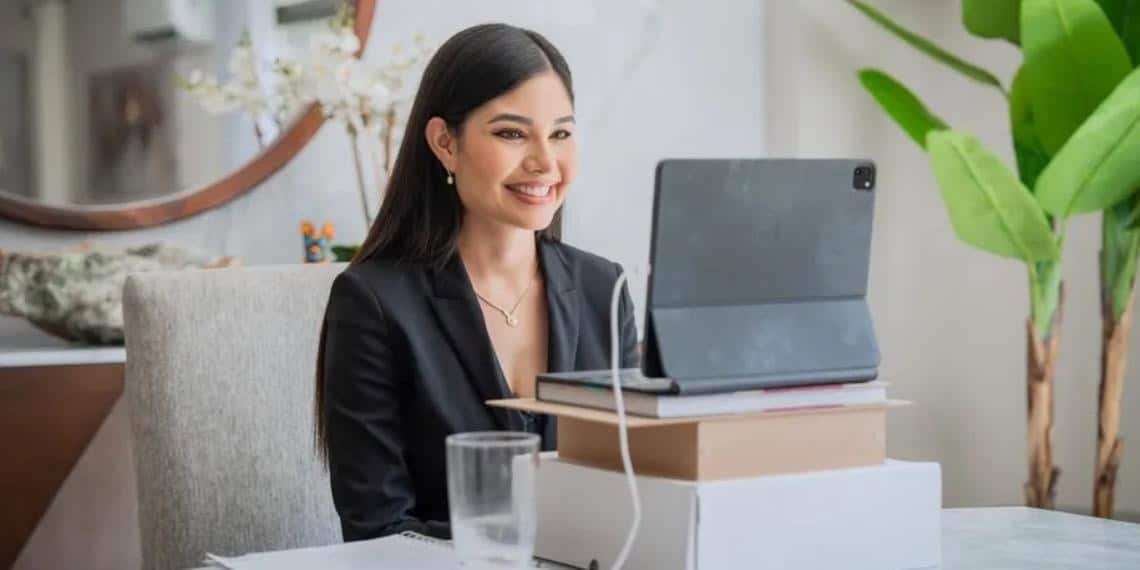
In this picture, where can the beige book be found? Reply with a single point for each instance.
(722, 447)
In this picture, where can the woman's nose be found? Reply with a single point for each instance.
(540, 159)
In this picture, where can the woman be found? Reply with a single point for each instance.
(459, 294)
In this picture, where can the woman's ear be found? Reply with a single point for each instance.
(442, 142)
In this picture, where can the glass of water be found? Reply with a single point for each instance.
(491, 490)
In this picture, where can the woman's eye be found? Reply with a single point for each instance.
(561, 134)
(510, 134)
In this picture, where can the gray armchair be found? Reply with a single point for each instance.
(219, 383)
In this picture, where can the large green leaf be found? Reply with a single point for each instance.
(1031, 155)
(993, 18)
(1073, 59)
(989, 208)
(925, 46)
(901, 105)
(1125, 18)
(1100, 165)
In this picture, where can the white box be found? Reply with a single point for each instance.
(878, 518)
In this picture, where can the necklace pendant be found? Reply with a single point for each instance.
(512, 321)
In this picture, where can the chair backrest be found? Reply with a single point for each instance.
(219, 380)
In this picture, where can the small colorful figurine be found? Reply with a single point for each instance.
(317, 244)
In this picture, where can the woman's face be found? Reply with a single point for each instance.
(515, 156)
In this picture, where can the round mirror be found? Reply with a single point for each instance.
(119, 114)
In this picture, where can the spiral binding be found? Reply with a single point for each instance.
(425, 538)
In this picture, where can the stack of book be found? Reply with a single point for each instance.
(718, 436)
(725, 435)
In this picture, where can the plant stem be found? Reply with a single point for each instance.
(1117, 281)
(360, 179)
(1041, 360)
(1044, 288)
(1122, 282)
(389, 136)
(1043, 338)
(1109, 446)
(1035, 293)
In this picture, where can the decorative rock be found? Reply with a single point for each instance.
(77, 294)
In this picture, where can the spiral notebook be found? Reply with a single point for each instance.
(405, 550)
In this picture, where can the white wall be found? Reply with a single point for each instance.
(95, 41)
(15, 76)
(951, 320)
(15, 29)
(188, 137)
(50, 103)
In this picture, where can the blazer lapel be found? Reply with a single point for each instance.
(457, 310)
(562, 303)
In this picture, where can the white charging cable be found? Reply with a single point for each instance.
(623, 432)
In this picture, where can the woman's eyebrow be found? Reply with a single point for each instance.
(510, 117)
(525, 120)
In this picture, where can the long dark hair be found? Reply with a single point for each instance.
(420, 217)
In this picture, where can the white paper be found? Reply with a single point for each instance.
(388, 552)
(397, 552)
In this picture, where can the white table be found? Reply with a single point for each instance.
(1013, 538)
(66, 356)
(1018, 537)
(22, 346)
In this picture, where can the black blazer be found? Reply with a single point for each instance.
(408, 361)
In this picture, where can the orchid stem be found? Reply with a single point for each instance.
(360, 179)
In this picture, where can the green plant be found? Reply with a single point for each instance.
(344, 253)
(1074, 111)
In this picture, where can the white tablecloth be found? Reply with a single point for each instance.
(1020, 538)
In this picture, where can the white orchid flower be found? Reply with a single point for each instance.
(242, 92)
(369, 100)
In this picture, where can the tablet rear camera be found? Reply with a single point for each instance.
(864, 178)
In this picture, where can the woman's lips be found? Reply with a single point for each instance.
(532, 194)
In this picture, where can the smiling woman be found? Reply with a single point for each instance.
(461, 293)
(518, 155)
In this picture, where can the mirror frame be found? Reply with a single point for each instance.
(186, 203)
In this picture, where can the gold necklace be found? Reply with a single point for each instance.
(509, 315)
